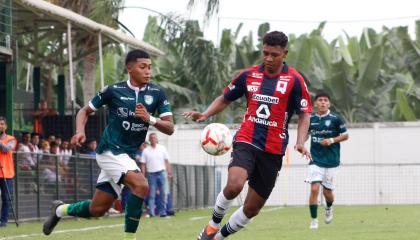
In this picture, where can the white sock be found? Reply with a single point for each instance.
(237, 221)
(59, 211)
(221, 207)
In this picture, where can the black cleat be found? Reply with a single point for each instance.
(52, 220)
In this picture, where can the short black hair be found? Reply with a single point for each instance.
(322, 94)
(276, 38)
(133, 55)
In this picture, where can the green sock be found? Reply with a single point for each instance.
(133, 210)
(314, 211)
(329, 204)
(79, 209)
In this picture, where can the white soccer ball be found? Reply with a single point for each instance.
(216, 139)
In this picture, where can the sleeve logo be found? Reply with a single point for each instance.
(304, 103)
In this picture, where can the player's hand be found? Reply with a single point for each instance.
(305, 153)
(78, 139)
(195, 116)
(141, 112)
(326, 142)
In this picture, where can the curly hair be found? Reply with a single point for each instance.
(276, 38)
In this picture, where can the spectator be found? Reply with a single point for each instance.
(66, 152)
(155, 162)
(27, 162)
(7, 171)
(45, 146)
(43, 111)
(91, 145)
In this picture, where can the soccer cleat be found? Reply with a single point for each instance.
(208, 233)
(314, 224)
(52, 220)
(328, 215)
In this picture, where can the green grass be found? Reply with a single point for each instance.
(355, 222)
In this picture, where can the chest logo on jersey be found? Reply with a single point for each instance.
(252, 88)
(124, 112)
(148, 99)
(265, 98)
(127, 98)
(257, 75)
(327, 123)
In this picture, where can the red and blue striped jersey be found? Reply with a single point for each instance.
(271, 101)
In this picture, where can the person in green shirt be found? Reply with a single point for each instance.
(326, 131)
(131, 106)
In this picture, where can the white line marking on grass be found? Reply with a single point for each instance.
(63, 231)
(272, 209)
(198, 218)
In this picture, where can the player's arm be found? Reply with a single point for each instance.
(337, 139)
(164, 124)
(218, 105)
(81, 120)
(302, 134)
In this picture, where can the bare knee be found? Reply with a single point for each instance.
(140, 189)
(98, 210)
(233, 188)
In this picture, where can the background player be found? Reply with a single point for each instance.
(327, 130)
(131, 105)
(274, 91)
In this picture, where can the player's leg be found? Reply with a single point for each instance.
(328, 186)
(316, 175)
(261, 183)
(133, 210)
(100, 204)
(242, 164)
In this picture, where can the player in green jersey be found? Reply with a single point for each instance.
(326, 131)
(131, 106)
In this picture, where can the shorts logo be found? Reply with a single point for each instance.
(126, 125)
(265, 98)
(252, 88)
(231, 86)
(148, 99)
(166, 102)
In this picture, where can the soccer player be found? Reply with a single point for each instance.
(131, 105)
(327, 131)
(274, 91)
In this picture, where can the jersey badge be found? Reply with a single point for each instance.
(148, 99)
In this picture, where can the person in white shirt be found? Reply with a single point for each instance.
(155, 162)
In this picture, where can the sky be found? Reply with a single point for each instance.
(296, 16)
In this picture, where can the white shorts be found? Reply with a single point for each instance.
(113, 167)
(325, 176)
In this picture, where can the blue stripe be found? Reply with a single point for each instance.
(259, 139)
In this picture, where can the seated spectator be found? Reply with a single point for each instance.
(66, 152)
(90, 147)
(27, 162)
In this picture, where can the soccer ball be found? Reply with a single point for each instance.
(216, 139)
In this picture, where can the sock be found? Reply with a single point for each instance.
(237, 221)
(79, 209)
(314, 211)
(62, 210)
(221, 207)
(329, 204)
(133, 211)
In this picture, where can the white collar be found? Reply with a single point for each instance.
(135, 88)
(323, 115)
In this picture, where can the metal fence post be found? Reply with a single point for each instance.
(16, 192)
(38, 183)
(91, 177)
(76, 189)
(57, 182)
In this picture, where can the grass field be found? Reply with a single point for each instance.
(274, 223)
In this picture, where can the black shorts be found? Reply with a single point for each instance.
(262, 167)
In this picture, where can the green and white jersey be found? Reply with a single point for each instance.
(321, 127)
(125, 132)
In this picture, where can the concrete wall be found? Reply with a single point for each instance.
(380, 164)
